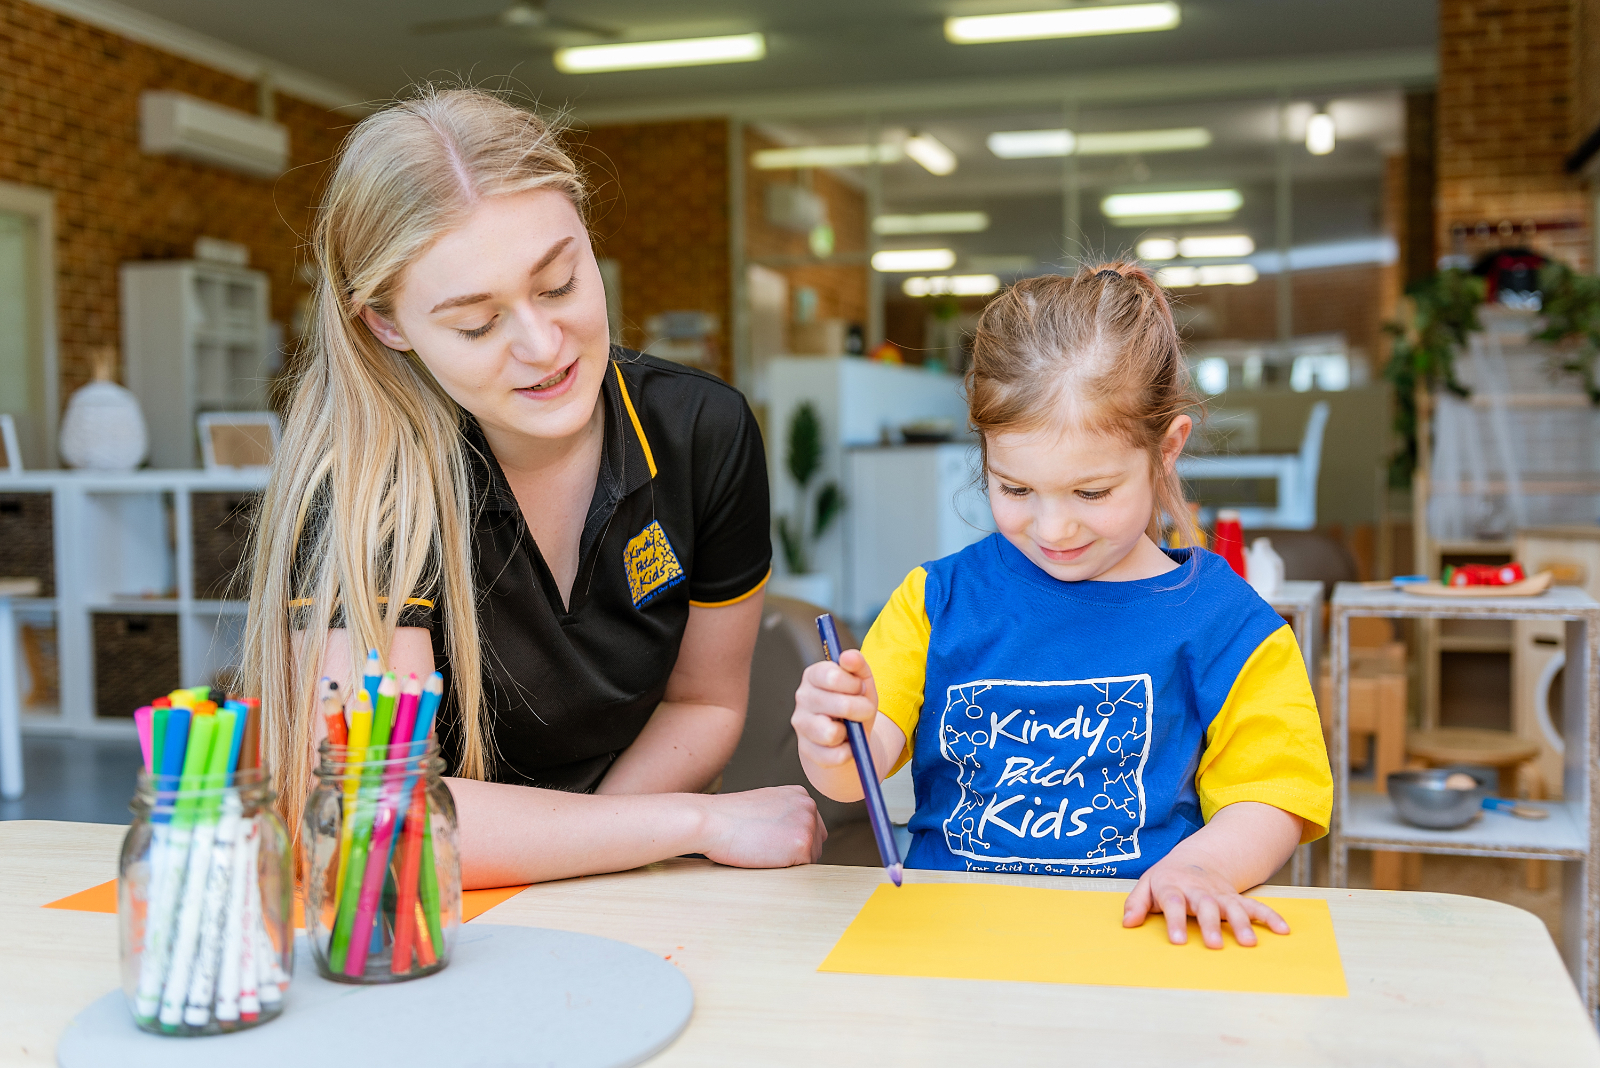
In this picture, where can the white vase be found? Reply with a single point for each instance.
(103, 429)
(814, 588)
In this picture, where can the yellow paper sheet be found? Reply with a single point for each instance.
(1026, 934)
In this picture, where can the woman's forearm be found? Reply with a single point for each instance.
(518, 834)
(682, 749)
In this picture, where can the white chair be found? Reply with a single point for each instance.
(1295, 473)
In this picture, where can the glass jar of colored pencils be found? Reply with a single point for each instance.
(383, 879)
(205, 891)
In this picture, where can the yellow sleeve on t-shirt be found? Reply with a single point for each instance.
(1266, 743)
(896, 649)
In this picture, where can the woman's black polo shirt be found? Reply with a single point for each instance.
(679, 517)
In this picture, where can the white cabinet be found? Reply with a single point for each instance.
(138, 576)
(195, 338)
(859, 403)
(907, 505)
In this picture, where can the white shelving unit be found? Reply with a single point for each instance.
(1572, 833)
(118, 539)
(195, 338)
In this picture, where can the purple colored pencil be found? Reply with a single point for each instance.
(877, 811)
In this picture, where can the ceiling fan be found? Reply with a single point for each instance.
(527, 18)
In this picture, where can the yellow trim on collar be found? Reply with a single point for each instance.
(638, 429)
(751, 592)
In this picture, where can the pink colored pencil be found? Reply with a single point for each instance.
(141, 720)
(405, 719)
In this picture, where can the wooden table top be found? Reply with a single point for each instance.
(1435, 979)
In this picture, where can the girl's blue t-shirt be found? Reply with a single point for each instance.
(1086, 728)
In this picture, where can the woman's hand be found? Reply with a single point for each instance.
(776, 827)
(1202, 877)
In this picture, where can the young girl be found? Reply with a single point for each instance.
(1074, 699)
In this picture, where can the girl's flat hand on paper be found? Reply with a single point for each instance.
(1204, 875)
(1181, 888)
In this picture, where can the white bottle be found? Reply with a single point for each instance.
(1263, 568)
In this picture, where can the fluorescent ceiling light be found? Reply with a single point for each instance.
(1221, 246)
(1319, 134)
(1217, 274)
(1186, 202)
(1157, 248)
(1182, 139)
(913, 259)
(643, 55)
(956, 285)
(1031, 144)
(934, 222)
(1063, 22)
(777, 159)
(929, 151)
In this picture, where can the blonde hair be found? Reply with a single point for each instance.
(1102, 342)
(371, 473)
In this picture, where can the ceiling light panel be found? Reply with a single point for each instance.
(937, 222)
(777, 159)
(1157, 248)
(1185, 202)
(1220, 246)
(645, 55)
(1218, 274)
(905, 260)
(929, 151)
(1032, 144)
(956, 285)
(1063, 22)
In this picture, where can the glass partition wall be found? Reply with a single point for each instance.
(1269, 217)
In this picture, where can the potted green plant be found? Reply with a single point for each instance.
(813, 514)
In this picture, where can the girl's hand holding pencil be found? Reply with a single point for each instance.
(829, 694)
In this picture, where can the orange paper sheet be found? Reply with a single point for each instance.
(1026, 934)
(103, 898)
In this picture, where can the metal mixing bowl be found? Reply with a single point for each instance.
(1422, 799)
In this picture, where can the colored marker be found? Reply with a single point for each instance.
(213, 763)
(166, 866)
(143, 724)
(877, 811)
(225, 809)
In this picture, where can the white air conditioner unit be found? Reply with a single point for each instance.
(178, 125)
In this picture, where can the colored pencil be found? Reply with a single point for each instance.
(355, 750)
(372, 675)
(877, 811)
(361, 838)
(380, 849)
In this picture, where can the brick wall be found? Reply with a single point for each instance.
(660, 210)
(1507, 106)
(841, 288)
(69, 123)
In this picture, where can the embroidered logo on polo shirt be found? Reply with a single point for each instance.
(652, 565)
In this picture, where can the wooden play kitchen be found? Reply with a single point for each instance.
(1570, 834)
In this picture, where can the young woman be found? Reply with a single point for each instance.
(472, 478)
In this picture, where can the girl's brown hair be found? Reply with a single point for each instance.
(1102, 343)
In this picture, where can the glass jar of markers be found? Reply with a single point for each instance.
(205, 896)
(383, 879)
